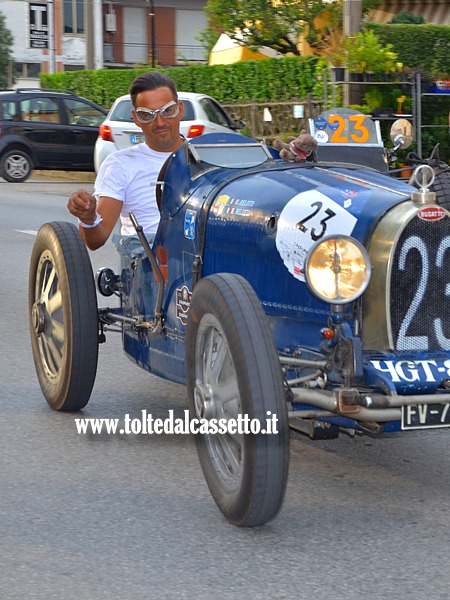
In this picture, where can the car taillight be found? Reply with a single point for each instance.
(195, 130)
(106, 133)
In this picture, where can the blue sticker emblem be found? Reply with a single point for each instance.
(320, 123)
(189, 224)
(333, 123)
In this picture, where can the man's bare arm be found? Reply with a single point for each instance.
(99, 219)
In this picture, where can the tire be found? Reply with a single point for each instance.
(441, 187)
(246, 474)
(63, 317)
(16, 166)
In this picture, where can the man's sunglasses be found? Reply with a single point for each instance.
(168, 111)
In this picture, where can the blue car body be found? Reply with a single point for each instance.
(217, 219)
(312, 295)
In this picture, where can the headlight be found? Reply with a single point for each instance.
(337, 269)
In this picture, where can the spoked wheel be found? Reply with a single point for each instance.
(232, 369)
(63, 316)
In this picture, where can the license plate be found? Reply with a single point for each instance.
(136, 138)
(425, 416)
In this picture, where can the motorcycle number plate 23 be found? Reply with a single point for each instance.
(425, 416)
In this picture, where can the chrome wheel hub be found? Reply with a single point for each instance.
(38, 318)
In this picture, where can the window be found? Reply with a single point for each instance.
(122, 112)
(9, 111)
(188, 111)
(73, 16)
(40, 110)
(73, 67)
(83, 114)
(214, 112)
(27, 70)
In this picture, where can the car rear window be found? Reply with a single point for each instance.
(8, 111)
(188, 111)
(214, 112)
(122, 112)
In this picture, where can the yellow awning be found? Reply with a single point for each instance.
(226, 52)
(233, 55)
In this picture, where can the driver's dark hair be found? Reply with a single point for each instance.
(151, 81)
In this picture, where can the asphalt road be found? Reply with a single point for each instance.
(130, 517)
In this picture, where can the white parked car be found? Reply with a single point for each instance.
(202, 114)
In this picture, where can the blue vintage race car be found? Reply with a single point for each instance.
(314, 295)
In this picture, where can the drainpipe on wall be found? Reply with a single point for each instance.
(98, 33)
(51, 38)
(88, 35)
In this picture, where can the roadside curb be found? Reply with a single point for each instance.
(64, 175)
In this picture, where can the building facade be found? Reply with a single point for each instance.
(53, 36)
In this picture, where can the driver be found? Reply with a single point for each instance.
(126, 180)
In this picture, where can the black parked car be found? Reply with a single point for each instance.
(46, 129)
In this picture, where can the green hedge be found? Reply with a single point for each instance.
(423, 48)
(263, 80)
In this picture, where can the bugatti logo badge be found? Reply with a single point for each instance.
(431, 213)
(184, 297)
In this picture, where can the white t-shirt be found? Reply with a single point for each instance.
(130, 175)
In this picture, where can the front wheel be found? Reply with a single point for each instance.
(15, 166)
(233, 369)
(63, 316)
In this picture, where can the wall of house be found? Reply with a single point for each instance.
(117, 43)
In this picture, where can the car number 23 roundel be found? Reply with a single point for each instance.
(307, 218)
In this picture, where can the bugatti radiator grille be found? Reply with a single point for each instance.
(420, 286)
(407, 306)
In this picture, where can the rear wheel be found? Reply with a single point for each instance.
(441, 187)
(63, 316)
(233, 369)
(15, 166)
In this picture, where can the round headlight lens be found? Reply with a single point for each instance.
(337, 269)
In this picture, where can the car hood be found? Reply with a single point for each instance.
(359, 197)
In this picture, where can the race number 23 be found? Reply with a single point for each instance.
(323, 223)
(416, 244)
(359, 134)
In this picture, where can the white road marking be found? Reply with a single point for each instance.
(28, 231)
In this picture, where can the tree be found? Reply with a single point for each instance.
(6, 42)
(276, 24)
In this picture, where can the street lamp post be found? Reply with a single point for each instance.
(351, 20)
(352, 16)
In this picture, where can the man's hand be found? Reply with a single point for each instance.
(83, 205)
